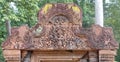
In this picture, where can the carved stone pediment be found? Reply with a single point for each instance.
(60, 28)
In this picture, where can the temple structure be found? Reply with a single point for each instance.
(58, 36)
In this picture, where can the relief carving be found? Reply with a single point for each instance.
(59, 35)
(60, 27)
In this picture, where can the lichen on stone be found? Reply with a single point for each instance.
(46, 8)
(75, 9)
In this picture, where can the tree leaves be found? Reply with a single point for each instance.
(112, 19)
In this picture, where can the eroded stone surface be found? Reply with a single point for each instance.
(60, 27)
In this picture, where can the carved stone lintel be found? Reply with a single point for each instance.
(106, 55)
(12, 55)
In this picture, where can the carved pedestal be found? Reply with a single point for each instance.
(12, 55)
(106, 55)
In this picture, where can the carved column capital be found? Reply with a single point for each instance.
(107, 55)
(12, 55)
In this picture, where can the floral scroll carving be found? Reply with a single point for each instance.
(60, 27)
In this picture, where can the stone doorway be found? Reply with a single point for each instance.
(58, 56)
(58, 61)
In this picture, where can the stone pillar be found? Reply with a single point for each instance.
(93, 56)
(12, 55)
(107, 55)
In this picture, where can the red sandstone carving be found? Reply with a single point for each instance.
(60, 28)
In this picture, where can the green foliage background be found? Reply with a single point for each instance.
(26, 13)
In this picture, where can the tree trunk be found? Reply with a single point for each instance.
(99, 12)
(8, 27)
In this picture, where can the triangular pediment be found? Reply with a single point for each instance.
(60, 28)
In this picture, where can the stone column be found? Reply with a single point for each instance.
(107, 55)
(93, 56)
(12, 55)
